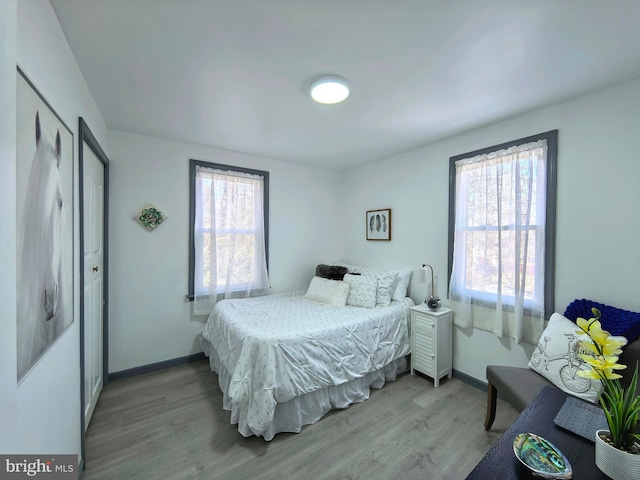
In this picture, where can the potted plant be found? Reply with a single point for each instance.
(617, 450)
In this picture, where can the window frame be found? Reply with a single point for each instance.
(550, 212)
(193, 164)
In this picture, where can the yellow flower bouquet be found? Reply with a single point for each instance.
(621, 406)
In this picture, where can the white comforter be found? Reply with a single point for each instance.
(281, 346)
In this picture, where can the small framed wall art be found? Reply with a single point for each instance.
(150, 217)
(379, 224)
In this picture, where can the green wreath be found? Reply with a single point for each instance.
(151, 217)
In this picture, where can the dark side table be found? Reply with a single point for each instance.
(500, 462)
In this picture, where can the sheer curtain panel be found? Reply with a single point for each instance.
(499, 234)
(229, 237)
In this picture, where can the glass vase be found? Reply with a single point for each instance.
(433, 302)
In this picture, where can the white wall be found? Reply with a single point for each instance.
(8, 231)
(150, 318)
(316, 215)
(42, 414)
(598, 224)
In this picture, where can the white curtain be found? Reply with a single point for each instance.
(498, 259)
(229, 237)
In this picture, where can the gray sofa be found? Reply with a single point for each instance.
(519, 386)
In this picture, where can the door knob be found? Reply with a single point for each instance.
(95, 269)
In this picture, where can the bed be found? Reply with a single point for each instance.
(285, 360)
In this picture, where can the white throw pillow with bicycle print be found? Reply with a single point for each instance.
(556, 359)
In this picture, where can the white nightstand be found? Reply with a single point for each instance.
(431, 342)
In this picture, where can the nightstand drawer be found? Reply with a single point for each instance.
(424, 326)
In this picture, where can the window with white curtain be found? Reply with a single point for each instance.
(502, 228)
(229, 232)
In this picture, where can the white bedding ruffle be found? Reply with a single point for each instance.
(307, 409)
(270, 351)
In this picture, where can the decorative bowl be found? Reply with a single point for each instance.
(433, 302)
(541, 456)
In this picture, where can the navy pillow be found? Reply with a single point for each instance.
(614, 320)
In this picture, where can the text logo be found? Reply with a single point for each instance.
(49, 467)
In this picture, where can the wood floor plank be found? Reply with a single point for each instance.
(171, 425)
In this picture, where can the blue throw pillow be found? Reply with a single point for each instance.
(614, 320)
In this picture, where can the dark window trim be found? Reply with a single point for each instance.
(192, 209)
(551, 197)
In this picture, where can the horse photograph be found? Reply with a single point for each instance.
(44, 180)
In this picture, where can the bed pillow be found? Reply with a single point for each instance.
(386, 284)
(332, 272)
(348, 266)
(401, 285)
(556, 359)
(387, 281)
(329, 292)
(362, 290)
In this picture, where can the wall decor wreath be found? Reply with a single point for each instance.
(150, 217)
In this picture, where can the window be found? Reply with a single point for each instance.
(229, 213)
(502, 225)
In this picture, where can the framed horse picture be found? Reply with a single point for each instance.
(44, 216)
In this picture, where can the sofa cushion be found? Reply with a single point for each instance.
(630, 356)
(518, 386)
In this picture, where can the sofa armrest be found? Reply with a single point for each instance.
(629, 357)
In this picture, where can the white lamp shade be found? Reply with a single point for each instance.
(329, 89)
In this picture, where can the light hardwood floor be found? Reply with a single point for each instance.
(171, 425)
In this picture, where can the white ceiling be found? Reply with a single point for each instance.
(233, 73)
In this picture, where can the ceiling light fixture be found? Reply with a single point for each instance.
(329, 89)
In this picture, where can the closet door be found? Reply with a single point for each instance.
(93, 288)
